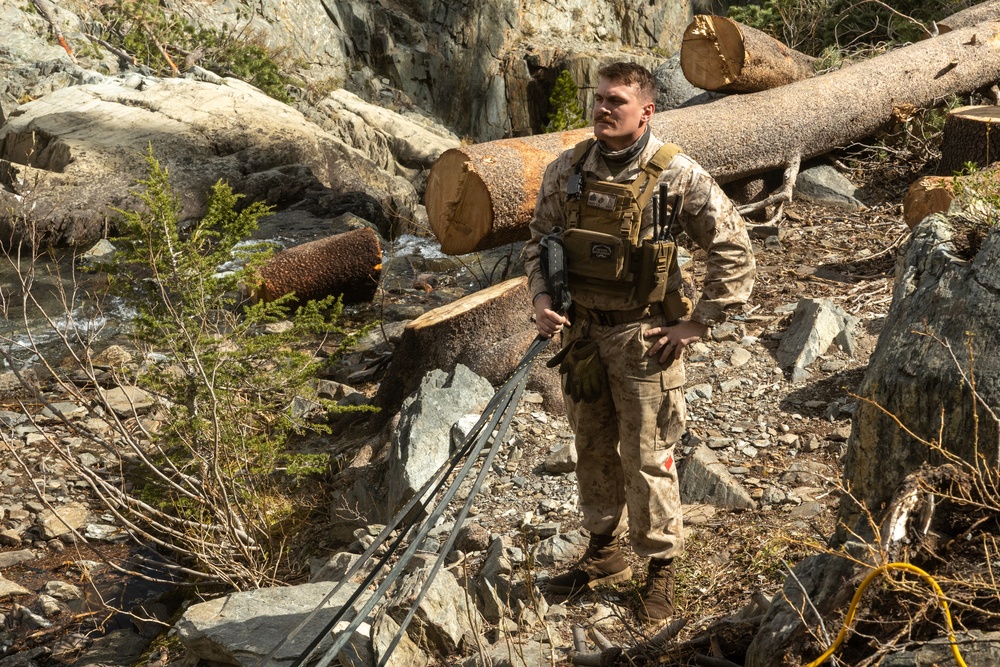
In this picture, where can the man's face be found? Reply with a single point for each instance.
(620, 114)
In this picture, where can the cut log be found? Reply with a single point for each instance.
(721, 55)
(934, 194)
(349, 264)
(930, 194)
(971, 134)
(488, 331)
(483, 195)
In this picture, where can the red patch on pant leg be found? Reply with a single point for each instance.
(669, 463)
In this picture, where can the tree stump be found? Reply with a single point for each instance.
(941, 326)
(971, 134)
(349, 264)
(721, 55)
(488, 331)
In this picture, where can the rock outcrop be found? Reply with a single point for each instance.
(72, 156)
(940, 331)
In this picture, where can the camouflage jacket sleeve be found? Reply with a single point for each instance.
(710, 218)
(548, 214)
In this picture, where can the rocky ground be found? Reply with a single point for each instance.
(779, 435)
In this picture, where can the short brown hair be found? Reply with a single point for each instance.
(631, 73)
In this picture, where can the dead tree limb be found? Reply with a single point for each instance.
(483, 195)
(719, 54)
(46, 11)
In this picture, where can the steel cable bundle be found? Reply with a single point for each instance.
(495, 421)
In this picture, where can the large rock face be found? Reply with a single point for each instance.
(939, 300)
(470, 62)
(74, 154)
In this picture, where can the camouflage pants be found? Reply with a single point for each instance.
(625, 440)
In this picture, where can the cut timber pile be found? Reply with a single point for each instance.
(934, 194)
(483, 195)
(488, 331)
(349, 264)
(971, 134)
(722, 55)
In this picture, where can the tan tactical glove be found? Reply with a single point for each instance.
(580, 363)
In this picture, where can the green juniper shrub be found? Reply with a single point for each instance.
(225, 383)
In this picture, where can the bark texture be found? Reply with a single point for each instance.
(971, 134)
(482, 195)
(488, 331)
(912, 376)
(349, 264)
(984, 11)
(721, 55)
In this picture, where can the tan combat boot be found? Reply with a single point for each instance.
(658, 596)
(603, 563)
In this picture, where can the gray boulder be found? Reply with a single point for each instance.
(815, 324)
(445, 617)
(78, 150)
(705, 479)
(826, 186)
(242, 628)
(421, 443)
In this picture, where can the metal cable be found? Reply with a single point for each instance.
(463, 513)
(404, 560)
(472, 447)
(422, 496)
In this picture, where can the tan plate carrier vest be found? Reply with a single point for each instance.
(603, 252)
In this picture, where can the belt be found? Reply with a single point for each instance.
(610, 318)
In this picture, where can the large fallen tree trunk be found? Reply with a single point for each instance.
(721, 55)
(482, 195)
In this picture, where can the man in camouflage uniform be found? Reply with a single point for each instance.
(625, 435)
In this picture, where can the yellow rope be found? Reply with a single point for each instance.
(849, 619)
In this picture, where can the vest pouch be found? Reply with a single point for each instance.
(595, 255)
(655, 260)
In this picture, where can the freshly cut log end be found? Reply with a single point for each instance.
(347, 264)
(971, 134)
(712, 52)
(466, 214)
(722, 55)
(930, 194)
(458, 203)
(935, 194)
(487, 331)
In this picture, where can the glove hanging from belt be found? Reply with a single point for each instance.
(584, 375)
